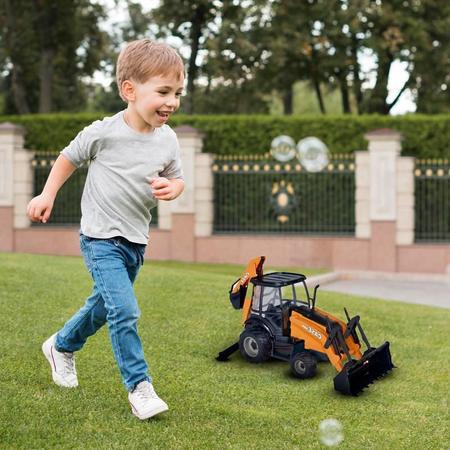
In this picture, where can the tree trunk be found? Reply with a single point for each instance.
(19, 92)
(196, 33)
(314, 70)
(377, 101)
(357, 88)
(344, 95)
(319, 95)
(46, 80)
(17, 85)
(288, 100)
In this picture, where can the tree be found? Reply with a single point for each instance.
(407, 30)
(274, 44)
(297, 48)
(191, 21)
(235, 55)
(19, 50)
(323, 41)
(432, 87)
(49, 45)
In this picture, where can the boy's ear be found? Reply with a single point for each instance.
(128, 90)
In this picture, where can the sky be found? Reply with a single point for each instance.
(117, 12)
(397, 79)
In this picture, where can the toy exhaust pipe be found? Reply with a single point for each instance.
(358, 374)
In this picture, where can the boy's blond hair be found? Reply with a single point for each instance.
(139, 60)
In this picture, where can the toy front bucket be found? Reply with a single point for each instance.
(356, 375)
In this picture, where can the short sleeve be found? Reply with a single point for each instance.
(83, 148)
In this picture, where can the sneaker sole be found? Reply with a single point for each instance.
(149, 414)
(47, 351)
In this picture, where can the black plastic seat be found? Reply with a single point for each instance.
(310, 314)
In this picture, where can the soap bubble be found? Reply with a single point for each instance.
(331, 432)
(283, 148)
(313, 154)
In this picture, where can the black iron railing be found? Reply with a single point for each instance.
(432, 200)
(257, 194)
(66, 210)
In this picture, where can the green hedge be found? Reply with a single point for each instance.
(424, 136)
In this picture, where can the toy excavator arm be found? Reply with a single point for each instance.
(238, 289)
(238, 298)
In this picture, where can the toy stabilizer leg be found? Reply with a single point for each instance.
(223, 355)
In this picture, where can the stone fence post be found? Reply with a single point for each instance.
(16, 183)
(384, 198)
(191, 215)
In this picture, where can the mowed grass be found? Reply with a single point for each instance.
(186, 319)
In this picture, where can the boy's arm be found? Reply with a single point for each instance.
(167, 189)
(40, 207)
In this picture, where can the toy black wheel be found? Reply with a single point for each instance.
(255, 345)
(303, 365)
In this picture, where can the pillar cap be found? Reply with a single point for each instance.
(383, 134)
(188, 130)
(11, 127)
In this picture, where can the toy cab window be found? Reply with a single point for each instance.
(291, 293)
(271, 296)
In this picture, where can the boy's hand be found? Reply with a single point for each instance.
(164, 189)
(40, 208)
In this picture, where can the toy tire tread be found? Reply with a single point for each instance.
(303, 365)
(255, 345)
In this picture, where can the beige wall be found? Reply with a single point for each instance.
(338, 253)
(6, 229)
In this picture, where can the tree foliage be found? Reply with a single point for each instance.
(275, 43)
(48, 46)
(239, 54)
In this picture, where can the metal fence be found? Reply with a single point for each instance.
(432, 200)
(67, 208)
(256, 194)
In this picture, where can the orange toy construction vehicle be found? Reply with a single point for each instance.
(297, 331)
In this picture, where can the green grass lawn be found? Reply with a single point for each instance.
(186, 319)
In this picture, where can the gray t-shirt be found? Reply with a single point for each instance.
(117, 197)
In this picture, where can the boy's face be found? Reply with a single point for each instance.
(155, 100)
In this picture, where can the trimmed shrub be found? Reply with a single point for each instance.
(424, 136)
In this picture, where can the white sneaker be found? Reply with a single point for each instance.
(144, 401)
(63, 364)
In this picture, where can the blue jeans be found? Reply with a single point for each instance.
(114, 264)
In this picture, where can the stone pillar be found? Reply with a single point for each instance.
(191, 214)
(405, 201)
(362, 195)
(384, 150)
(203, 197)
(16, 183)
(191, 144)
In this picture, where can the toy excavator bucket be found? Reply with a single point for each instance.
(358, 374)
(238, 289)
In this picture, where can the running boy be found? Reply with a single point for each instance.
(133, 162)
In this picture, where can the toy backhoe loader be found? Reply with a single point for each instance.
(297, 331)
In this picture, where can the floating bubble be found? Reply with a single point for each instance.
(283, 148)
(313, 154)
(331, 432)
